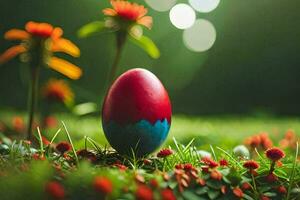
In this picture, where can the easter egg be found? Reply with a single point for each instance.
(136, 113)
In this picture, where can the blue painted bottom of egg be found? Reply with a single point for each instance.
(142, 136)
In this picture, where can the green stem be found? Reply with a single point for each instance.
(272, 167)
(254, 185)
(121, 39)
(32, 99)
(291, 178)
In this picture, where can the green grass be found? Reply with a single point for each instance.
(19, 160)
(226, 131)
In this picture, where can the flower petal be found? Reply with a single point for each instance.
(109, 12)
(65, 68)
(66, 46)
(145, 21)
(11, 53)
(16, 34)
(57, 33)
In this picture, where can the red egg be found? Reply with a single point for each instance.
(136, 111)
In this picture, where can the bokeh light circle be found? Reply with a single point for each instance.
(201, 36)
(204, 6)
(182, 16)
(161, 5)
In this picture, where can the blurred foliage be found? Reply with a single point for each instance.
(253, 66)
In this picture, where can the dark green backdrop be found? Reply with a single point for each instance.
(254, 64)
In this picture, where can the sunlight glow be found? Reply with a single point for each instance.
(161, 5)
(204, 6)
(200, 37)
(182, 16)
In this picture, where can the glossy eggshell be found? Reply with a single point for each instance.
(136, 113)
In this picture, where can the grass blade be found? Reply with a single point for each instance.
(291, 179)
(70, 140)
(40, 140)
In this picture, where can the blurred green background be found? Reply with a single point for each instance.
(253, 67)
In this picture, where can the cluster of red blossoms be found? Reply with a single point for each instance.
(164, 153)
(259, 141)
(274, 155)
(290, 140)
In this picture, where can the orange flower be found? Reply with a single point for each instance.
(58, 90)
(258, 141)
(18, 124)
(37, 35)
(128, 11)
(290, 140)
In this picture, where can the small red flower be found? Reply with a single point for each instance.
(167, 194)
(143, 193)
(83, 153)
(281, 189)
(263, 197)
(223, 162)
(164, 153)
(216, 175)
(271, 178)
(55, 190)
(63, 147)
(251, 165)
(205, 169)
(246, 186)
(238, 192)
(103, 185)
(50, 122)
(208, 161)
(275, 154)
(18, 124)
(154, 183)
(188, 166)
(179, 166)
(261, 140)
